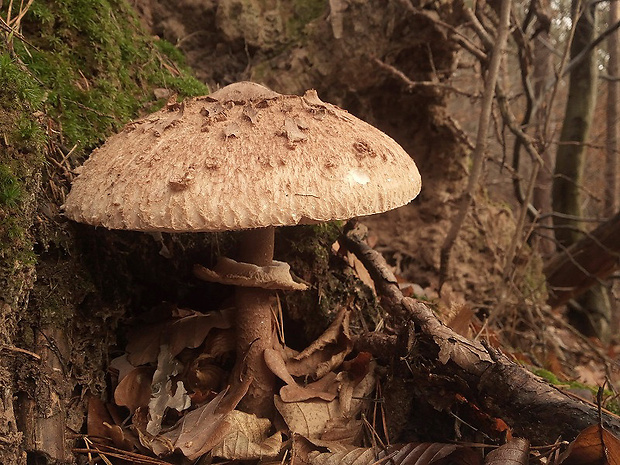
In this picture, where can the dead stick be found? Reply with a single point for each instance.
(533, 408)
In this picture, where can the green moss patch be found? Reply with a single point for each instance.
(72, 73)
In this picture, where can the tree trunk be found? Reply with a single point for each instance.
(611, 146)
(542, 71)
(575, 129)
(592, 314)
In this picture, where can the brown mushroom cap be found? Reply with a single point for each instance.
(243, 157)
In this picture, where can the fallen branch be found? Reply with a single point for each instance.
(451, 364)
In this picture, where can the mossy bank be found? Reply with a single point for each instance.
(71, 73)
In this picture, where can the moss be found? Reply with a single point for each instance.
(84, 69)
(96, 68)
(10, 191)
(612, 404)
(333, 283)
(304, 12)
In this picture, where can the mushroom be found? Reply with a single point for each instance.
(243, 158)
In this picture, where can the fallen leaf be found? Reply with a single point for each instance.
(248, 438)
(164, 392)
(315, 419)
(408, 454)
(203, 378)
(97, 415)
(593, 445)
(327, 352)
(307, 418)
(516, 451)
(122, 366)
(325, 388)
(134, 390)
(188, 331)
(121, 438)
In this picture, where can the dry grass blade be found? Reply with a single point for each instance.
(131, 457)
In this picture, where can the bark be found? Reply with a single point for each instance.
(448, 363)
(42, 417)
(541, 72)
(576, 126)
(585, 263)
(593, 314)
(611, 146)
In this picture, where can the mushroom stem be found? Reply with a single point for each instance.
(254, 323)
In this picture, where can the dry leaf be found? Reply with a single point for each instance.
(220, 343)
(121, 438)
(97, 415)
(198, 431)
(460, 350)
(143, 344)
(134, 390)
(315, 419)
(307, 418)
(248, 438)
(327, 352)
(461, 319)
(592, 446)
(293, 392)
(516, 451)
(122, 366)
(325, 389)
(408, 454)
(203, 378)
(164, 393)
(300, 450)
(353, 390)
(189, 331)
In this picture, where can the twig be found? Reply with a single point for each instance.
(591, 46)
(412, 84)
(21, 351)
(516, 240)
(481, 140)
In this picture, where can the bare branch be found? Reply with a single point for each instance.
(481, 139)
(591, 46)
(410, 84)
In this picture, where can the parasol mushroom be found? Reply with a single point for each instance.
(243, 158)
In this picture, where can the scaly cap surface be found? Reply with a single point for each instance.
(243, 157)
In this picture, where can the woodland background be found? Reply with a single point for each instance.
(518, 157)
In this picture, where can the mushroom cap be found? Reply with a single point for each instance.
(243, 157)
